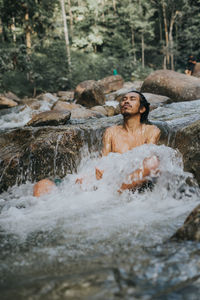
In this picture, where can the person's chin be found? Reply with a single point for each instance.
(125, 114)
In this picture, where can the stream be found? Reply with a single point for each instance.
(90, 242)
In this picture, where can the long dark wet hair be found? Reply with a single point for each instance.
(143, 103)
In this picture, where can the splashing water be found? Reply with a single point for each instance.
(95, 208)
(76, 225)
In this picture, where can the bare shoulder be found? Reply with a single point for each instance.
(153, 133)
(112, 129)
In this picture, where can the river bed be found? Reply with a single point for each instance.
(90, 242)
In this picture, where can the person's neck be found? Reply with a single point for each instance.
(132, 123)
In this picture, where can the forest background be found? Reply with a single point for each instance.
(51, 45)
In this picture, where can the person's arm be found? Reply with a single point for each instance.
(150, 164)
(149, 167)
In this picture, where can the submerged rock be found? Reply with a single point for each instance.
(6, 102)
(176, 86)
(89, 93)
(50, 118)
(191, 227)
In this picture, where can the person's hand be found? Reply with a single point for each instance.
(79, 181)
(99, 173)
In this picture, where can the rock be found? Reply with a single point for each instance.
(191, 227)
(47, 97)
(77, 111)
(12, 96)
(6, 102)
(89, 93)
(65, 95)
(127, 87)
(188, 142)
(83, 113)
(111, 83)
(176, 86)
(50, 118)
(32, 103)
(137, 84)
(47, 152)
(196, 72)
(100, 109)
(61, 106)
(117, 110)
(110, 110)
(156, 100)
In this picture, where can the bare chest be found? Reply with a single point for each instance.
(124, 142)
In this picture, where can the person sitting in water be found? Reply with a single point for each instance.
(134, 132)
(190, 65)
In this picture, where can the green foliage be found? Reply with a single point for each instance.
(101, 39)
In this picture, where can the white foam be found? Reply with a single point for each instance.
(95, 210)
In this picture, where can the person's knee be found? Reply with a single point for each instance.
(42, 187)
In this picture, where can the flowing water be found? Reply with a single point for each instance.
(90, 242)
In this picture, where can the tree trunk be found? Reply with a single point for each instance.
(166, 32)
(133, 44)
(171, 41)
(13, 30)
(28, 32)
(62, 3)
(114, 6)
(71, 17)
(142, 38)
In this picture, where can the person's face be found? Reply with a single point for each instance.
(130, 104)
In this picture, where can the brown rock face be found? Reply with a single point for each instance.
(6, 102)
(61, 106)
(50, 118)
(191, 227)
(176, 86)
(66, 95)
(188, 142)
(89, 93)
(111, 83)
(196, 72)
(77, 111)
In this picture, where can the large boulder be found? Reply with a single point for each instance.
(188, 142)
(89, 93)
(191, 227)
(12, 96)
(111, 83)
(6, 102)
(196, 71)
(50, 118)
(176, 86)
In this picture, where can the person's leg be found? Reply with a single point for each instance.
(42, 187)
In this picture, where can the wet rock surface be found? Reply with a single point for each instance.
(7, 102)
(191, 227)
(50, 118)
(35, 153)
(188, 142)
(89, 93)
(176, 86)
